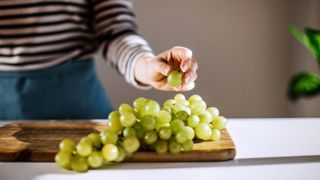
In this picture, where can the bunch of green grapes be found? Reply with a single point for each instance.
(145, 126)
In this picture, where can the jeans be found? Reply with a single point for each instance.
(68, 91)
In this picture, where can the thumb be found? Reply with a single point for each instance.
(162, 67)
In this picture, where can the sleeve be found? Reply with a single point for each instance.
(116, 32)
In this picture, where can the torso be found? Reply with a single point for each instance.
(36, 34)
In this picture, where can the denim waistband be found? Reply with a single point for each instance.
(63, 69)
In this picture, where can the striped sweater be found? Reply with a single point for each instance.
(37, 34)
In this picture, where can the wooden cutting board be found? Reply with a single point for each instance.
(38, 142)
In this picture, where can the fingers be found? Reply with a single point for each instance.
(181, 53)
(188, 79)
(191, 74)
(162, 85)
(183, 56)
(185, 64)
(194, 65)
(177, 52)
(187, 87)
(178, 57)
(163, 68)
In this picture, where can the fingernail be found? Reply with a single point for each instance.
(187, 79)
(185, 67)
(168, 70)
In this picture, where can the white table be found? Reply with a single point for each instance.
(266, 149)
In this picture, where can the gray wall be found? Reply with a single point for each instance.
(243, 49)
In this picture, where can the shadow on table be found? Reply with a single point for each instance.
(235, 162)
(29, 171)
(35, 171)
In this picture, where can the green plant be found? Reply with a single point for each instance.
(306, 84)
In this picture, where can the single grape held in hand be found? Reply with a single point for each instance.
(174, 79)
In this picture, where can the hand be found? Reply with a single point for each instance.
(154, 70)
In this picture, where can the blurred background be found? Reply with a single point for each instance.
(245, 53)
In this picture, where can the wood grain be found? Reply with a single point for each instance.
(38, 142)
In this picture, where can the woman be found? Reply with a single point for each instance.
(46, 68)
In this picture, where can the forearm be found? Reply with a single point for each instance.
(124, 54)
(116, 31)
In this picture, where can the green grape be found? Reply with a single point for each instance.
(96, 139)
(182, 115)
(159, 126)
(189, 131)
(67, 145)
(121, 156)
(163, 117)
(137, 126)
(174, 79)
(140, 103)
(161, 146)
(153, 105)
(188, 110)
(109, 137)
(181, 136)
(178, 107)
(187, 146)
(128, 132)
(84, 148)
(95, 159)
(131, 144)
(179, 97)
(63, 159)
(215, 135)
(114, 115)
(142, 112)
(203, 131)
(151, 137)
(86, 139)
(184, 102)
(110, 152)
(193, 121)
(79, 164)
(219, 122)
(205, 117)
(139, 113)
(147, 127)
(174, 147)
(127, 119)
(197, 107)
(167, 108)
(114, 125)
(169, 102)
(151, 108)
(148, 122)
(165, 133)
(194, 98)
(213, 111)
(140, 132)
(176, 125)
(125, 108)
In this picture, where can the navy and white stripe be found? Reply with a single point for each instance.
(37, 34)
